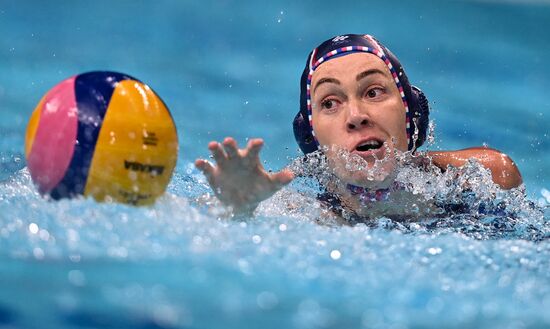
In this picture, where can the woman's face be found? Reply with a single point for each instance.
(357, 108)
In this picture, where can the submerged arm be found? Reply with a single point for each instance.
(238, 178)
(503, 170)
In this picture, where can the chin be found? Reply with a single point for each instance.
(365, 172)
(375, 177)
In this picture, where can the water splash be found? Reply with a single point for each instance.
(177, 262)
(464, 199)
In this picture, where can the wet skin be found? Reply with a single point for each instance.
(357, 107)
(238, 179)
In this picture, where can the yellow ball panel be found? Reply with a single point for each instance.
(136, 150)
(33, 126)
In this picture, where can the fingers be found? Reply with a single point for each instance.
(283, 177)
(206, 167)
(230, 146)
(228, 150)
(254, 146)
(217, 152)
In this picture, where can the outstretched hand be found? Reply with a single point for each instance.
(238, 178)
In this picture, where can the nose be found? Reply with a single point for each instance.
(357, 117)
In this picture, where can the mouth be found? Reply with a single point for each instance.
(368, 145)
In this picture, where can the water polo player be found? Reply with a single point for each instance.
(356, 105)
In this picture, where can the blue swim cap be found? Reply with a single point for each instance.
(416, 104)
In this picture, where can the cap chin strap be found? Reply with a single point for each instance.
(367, 195)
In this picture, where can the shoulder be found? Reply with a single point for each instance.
(504, 171)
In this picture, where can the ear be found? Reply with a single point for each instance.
(303, 135)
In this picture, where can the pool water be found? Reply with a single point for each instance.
(231, 68)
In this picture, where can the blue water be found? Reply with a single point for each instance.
(232, 68)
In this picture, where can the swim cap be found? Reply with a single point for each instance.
(416, 104)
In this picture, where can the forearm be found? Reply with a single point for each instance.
(503, 170)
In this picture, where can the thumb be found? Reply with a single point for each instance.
(283, 177)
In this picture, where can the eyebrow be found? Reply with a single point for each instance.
(359, 77)
(326, 80)
(366, 73)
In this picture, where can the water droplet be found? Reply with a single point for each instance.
(434, 250)
(257, 239)
(38, 253)
(33, 228)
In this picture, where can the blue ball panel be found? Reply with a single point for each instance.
(93, 91)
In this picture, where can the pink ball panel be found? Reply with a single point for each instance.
(55, 138)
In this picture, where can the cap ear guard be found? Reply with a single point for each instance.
(420, 115)
(303, 135)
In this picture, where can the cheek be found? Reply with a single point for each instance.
(401, 134)
(321, 129)
(394, 121)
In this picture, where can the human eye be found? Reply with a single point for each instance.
(329, 104)
(375, 92)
